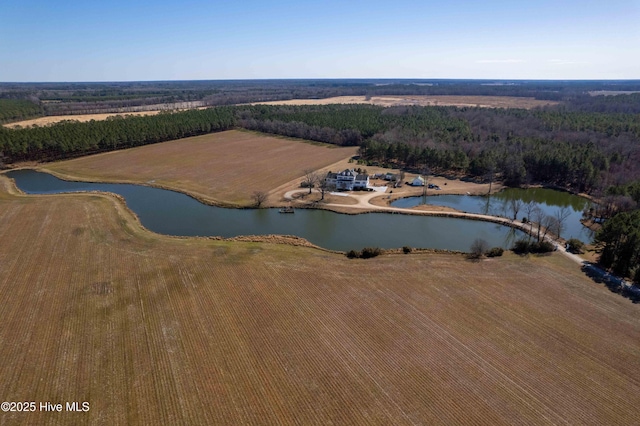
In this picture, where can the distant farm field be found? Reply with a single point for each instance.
(423, 100)
(385, 100)
(157, 330)
(224, 167)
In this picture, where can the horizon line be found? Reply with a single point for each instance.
(330, 79)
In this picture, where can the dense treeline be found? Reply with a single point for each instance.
(296, 129)
(620, 237)
(300, 121)
(577, 150)
(614, 124)
(581, 151)
(621, 103)
(17, 109)
(631, 190)
(70, 138)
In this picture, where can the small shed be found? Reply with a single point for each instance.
(418, 181)
(390, 176)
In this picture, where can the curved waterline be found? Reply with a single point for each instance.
(549, 200)
(173, 213)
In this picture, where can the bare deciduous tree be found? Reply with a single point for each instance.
(425, 173)
(324, 188)
(529, 208)
(515, 204)
(310, 178)
(259, 197)
(478, 248)
(539, 217)
(550, 223)
(560, 219)
(491, 172)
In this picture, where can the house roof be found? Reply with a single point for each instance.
(347, 172)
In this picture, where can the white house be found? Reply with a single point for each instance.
(418, 181)
(347, 180)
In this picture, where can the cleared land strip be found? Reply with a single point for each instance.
(53, 119)
(99, 116)
(159, 330)
(424, 100)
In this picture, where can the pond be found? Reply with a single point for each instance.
(549, 200)
(174, 213)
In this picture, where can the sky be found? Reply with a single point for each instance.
(132, 40)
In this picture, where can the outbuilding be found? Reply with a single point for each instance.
(418, 181)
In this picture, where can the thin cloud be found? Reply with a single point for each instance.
(566, 62)
(500, 61)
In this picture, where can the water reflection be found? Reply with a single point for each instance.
(548, 200)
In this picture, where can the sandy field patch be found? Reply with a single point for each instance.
(44, 121)
(392, 100)
(157, 330)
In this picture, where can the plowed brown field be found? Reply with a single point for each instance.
(157, 330)
(225, 167)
